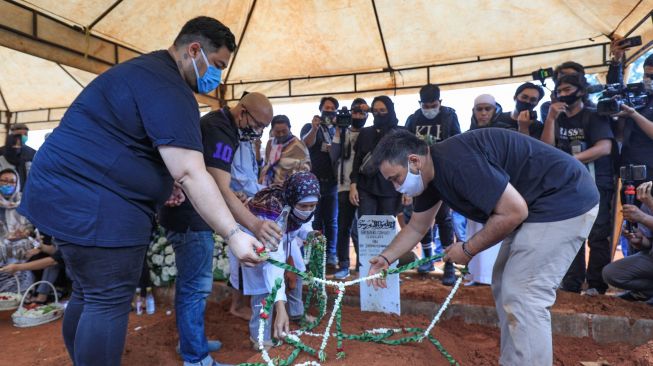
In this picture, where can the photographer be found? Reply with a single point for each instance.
(434, 123)
(318, 136)
(342, 154)
(637, 143)
(635, 273)
(578, 130)
(523, 118)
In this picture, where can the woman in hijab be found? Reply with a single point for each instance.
(370, 192)
(16, 245)
(300, 193)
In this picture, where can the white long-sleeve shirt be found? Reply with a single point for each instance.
(260, 279)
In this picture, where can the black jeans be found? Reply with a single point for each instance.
(445, 227)
(346, 229)
(326, 216)
(633, 273)
(371, 204)
(599, 246)
(104, 281)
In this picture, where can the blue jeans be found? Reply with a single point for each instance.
(326, 217)
(104, 281)
(459, 225)
(194, 260)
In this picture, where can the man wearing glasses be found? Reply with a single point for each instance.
(192, 238)
(434, 123)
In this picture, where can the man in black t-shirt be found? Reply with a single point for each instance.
(433, 123)
(637, 148)
(318, 136)
(527, 96)
(578, 130)
(192, 238)
(540, 201)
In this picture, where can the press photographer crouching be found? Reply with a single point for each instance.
(635, 273)
(579, 130)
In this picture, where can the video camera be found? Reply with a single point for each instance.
(340, 118)
(613, 96)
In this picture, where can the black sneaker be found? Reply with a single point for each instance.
(632, 296)
(449, 276)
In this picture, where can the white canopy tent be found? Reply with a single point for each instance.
(299, 50)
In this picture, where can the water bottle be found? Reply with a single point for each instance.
(282, 223)
(149, 301)
(138, 302)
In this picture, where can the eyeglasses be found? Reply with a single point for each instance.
(484, 109)
(359, 110)
(3, 181)
(260, 126)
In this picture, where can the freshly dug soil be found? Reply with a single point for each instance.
(429, 288)
(151, 341)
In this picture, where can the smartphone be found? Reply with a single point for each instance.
(631, 42)
(632, 172)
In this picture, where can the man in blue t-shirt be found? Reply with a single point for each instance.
(540, 201)
(98, 180)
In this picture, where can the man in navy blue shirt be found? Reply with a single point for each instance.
(97, 181)
(540, 201)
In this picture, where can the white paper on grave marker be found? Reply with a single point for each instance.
(375, 232)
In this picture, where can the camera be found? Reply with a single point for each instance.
(614, 96)
(542, 74)
(328, 118)
(631, 173)
(343, 118)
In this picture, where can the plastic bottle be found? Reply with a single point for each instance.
(282, 222)
(138, 302)
(149, 301)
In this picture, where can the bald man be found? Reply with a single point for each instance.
(192, 238)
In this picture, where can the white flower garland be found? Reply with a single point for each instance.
(261, 346)
(336, 306)
(444, 306)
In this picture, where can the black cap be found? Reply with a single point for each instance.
(429, 93)
(19, 126)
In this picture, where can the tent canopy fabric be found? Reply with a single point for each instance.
(297, 50)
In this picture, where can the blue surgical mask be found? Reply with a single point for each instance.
(23, 139)
(211, 78)
(7, 190)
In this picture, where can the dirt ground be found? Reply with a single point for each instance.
(151, 339)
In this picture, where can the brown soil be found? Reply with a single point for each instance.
(153, 343)
(429, 288)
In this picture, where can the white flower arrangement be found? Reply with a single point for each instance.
(162, 261)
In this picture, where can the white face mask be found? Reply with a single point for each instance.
(413, 184)
(302, 215)
(431, 112)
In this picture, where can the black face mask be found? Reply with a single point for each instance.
(358, 122)
(328, 118)
(383, 121)
(248, 134)
(283, 139)
(569, 99)
(521, 106)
